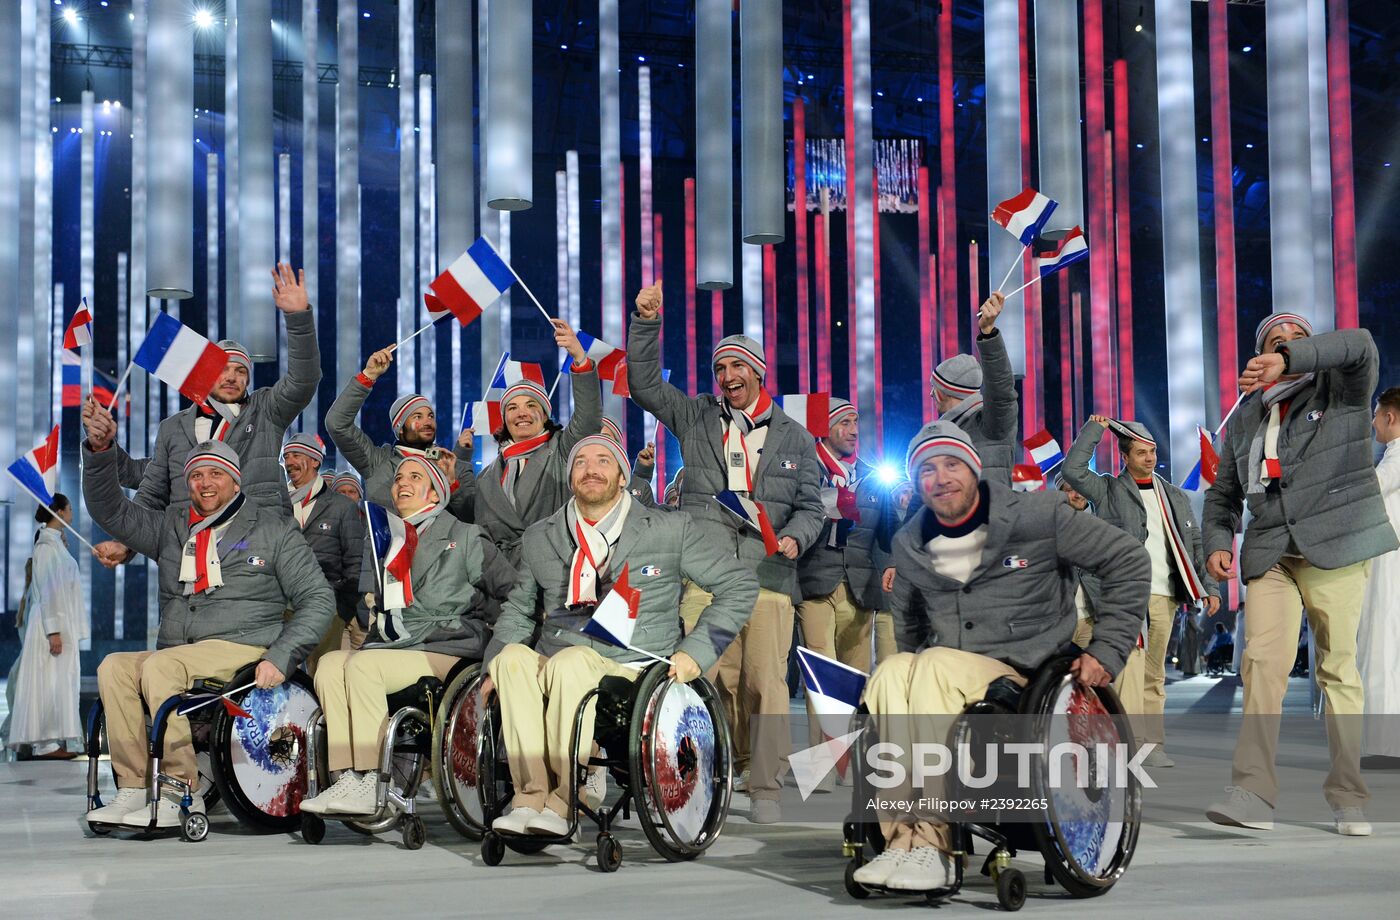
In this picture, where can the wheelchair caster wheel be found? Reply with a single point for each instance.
(196, 827)
(1011, 889)
(609, 853)
(493, 849)
(414, 833)
(854, 888)
(100, 830)
(313, 828)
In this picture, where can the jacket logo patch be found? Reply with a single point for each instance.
(257, 561)
(324, 525)
(650, 571)
(1016, 562)
(452, 545)
(736, 459)
(248, 430)
(1315, 415)
(788, 464)
(636, 493)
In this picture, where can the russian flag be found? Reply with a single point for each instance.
(813, 410)
(1025, 215)
(79, 331)
(483, 416)
(620, 385)
(37, 471)
(833, 688)
(751, 513)
(1206, 468)
(104, 387)
(509, 373)
(1073, 248)
(181, 357)
(1045, 450)
(393, 545)
(1027, 477)
(471, 284)
(608, 359)
(615, 617)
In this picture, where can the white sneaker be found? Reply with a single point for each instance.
(878, 871)
(515, 820)
(1157, 757)
(924, 869)
(765, 811)
(351, 794)
(1243, 809)
(548, 823)
(126, 800)
(167, 813)
(741, 783)
(1351, 821)
(595, 788)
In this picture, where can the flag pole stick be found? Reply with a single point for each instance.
(1230, 414)
(215, 699)
(1019, 256)
(521, 281)
(116, 391)
(53, 513)
(653, 657)
(374, 553)
(1034, 280)
(419, 331)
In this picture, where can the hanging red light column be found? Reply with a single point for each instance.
(947, 185)
(927, 343)
(1343, 191)
(799, 238)
(692, 340)
(657, 265)
(1223, 187)
(1100, 270)
(878, 369)
(1123, 249)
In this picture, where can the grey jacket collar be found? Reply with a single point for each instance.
(637, 519)
(1000, 520)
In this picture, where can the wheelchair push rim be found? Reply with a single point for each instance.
(494, 787)
(456, 772)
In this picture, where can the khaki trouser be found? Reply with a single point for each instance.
(938, 683)
(353, 689)
(752, 682)
(1161, 614)
(124, 679)
(1273, 615)
(539, 701)
(1128, 682)
(885, 645)
(836, 627)
(340, 636)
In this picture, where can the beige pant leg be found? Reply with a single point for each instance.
(765, 642)
(885, 645)
(353, 637)
(370, 676)
(818, 618)
(119, 686)
(1083, 633)
(333, 639)
(172, 670)
(835, 627)
(1273, 614)
(335, 707)
(853, 625)
(568, 676)
(517, 674)
(1128, 684)
(1333, 600)
(694, 600)
(1161, 612)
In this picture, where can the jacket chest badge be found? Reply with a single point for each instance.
(452, 545)
(257, 562)
(788, 464)
(324, 525)
(1016, 562)
(1315, 415)
(650, 571)
(636, 493)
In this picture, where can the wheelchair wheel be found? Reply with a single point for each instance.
(406, 772)
(679, 758)
(1088, 834)
(259, 763)
(95, 745)
(854, 888)
(313, 828)
(454, 753)
(494, 789)
(609, 853)
(413, 831)
(1011, 889)
(195, 827)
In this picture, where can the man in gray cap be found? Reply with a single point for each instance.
(740, 447)
(980, 594)
(981, 398)
(252, 423)
(1157, 514)
(1300, 457)
(229, 569)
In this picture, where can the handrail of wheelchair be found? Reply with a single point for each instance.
(156, 744)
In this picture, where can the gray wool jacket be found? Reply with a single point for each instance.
(1018, 604)
(994, 428)
(1327, 507)
(787, 479)
(1118, 500)
(460, 580)
(375, 462)
(335, 531)
(267, 568)
(660, 550)
(543, 487)
(257, 438)
(862, 561)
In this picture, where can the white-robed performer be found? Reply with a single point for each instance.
(1378, 646)
(53, 621)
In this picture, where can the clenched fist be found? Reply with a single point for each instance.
(649, 301)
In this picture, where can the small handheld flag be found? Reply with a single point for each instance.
(79, 331)
(812, 410)
(1025, 215)
(1027, 477)
(104, 387)
(608, 359)
(1044, 450)
(621, 386)
(751, 513)
(37, 471)
(1073, 248)
(1206, 468)
(394, 542)
(181, 358)
(483, 416)
(833, 688)
(232, 708)
(615, 617)
(469, 285)
(509, 373)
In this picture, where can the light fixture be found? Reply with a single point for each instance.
(203, 19)
(889, 473)
(1247, 48)
(1248, 146)
(70, 16)
(1137, 28)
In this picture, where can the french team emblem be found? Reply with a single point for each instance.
(1016, 562)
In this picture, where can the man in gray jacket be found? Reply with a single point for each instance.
(983, 590)
(741, 447)
(569, 561)
(1157, 514)
(981, 398)
(229, 569)
(1299, 455)
(252, 423)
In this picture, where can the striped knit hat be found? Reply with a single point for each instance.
(959, 376)
(531, 389)
(402, 408)
(611, 430)
(941, 439)
(1278, 319)
(435, 475)
(309, 444)
(237, 354)
(1129, 432)
(216, 454)
(840, 408)
(599, 440)
(743, 348)
(328, 477)
(347, 479)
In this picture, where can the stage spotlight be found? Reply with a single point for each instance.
(70, 16)
(203, 19)
(1137, 28)
(889, 473)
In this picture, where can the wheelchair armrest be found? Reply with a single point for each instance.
(208, 684)
(422, 695)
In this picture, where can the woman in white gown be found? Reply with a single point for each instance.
(44, 680)
(1378, 642)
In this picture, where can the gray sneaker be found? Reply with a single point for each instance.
(765, 811)
(1351, 821)
(1157, 757)
(1242, 809)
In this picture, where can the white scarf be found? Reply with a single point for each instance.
(593, 545)
(1176, 544)
(200, 569)
(739, 462)
(303, 498)
(1264, 464)
(228, 417)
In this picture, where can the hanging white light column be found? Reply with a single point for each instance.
(252, 318)
(170, 150)
(456, 196)
(510, 131)
(310, 175)
(714, 145)
(347, 192)
(408, 211)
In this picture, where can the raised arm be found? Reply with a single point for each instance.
(136, 526)
(294, 392)
(354, 445)
(1000, 406)
(1351, 351)
(1075, 469)
(650, 390)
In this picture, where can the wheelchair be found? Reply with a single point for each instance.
(1085, 836)
(666, 745)
(255, 764)
(430, 722)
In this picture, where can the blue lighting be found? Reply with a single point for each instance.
(889, 473)
(1248, 146)
(365, 14)
(1247, 48)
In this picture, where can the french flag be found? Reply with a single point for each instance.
(79, 331)
(1045, 450)
(1027, 477)
(813, 410)
(393, 544)
(623, 389)
(615, 618)
(1025, 215)
(483, 416)
(833, 688)
(471, 284)
(608, 359)
(751, 513)
(37, 471)
(509, 373)
(181, 358)
(1073, 248)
